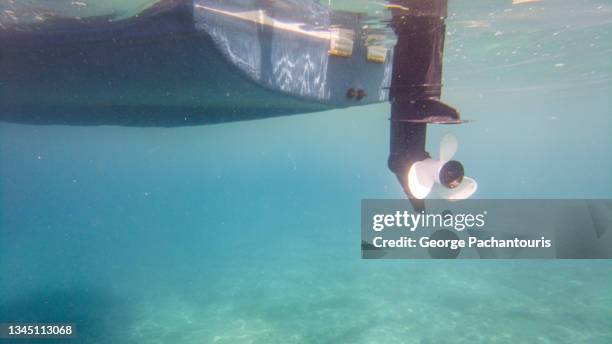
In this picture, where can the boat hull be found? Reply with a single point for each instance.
(178, 65)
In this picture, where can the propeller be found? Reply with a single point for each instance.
(445, 175)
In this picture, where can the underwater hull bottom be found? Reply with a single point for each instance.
(174, 81)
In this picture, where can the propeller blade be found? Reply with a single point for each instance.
(420, 182)
(466, 189)
(448, 147)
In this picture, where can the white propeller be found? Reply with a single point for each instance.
(448, 147)
(444, 175)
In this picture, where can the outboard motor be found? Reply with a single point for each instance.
(415, 102)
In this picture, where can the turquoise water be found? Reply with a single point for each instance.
(249, 232)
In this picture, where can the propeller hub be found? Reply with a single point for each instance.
(451, 174)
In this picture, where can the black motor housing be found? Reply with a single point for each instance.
(416, 83)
